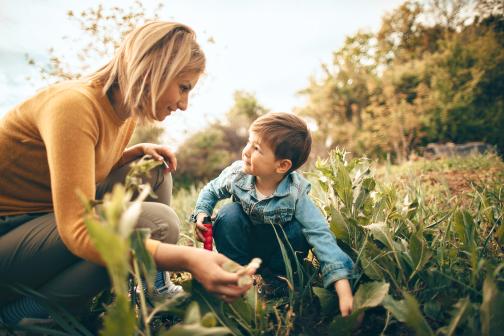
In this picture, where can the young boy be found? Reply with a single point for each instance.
(266, 190)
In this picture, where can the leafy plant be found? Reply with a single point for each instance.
(434, 259)
(111, 226)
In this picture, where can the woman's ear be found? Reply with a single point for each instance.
(283, 166)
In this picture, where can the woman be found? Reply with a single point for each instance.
(72, 136)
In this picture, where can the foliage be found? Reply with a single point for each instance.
(435, 259)
(430, 73)
(424, 264)
(423, 257)
(111, 228)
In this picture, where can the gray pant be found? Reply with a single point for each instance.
(32, 253)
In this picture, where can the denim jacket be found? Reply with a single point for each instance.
(290, 200)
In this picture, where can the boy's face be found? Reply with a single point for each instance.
(259, 158)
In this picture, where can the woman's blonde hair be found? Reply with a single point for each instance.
(149, 58)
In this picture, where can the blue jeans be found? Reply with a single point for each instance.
(238, 239)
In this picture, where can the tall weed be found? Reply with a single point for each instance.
(435, 260)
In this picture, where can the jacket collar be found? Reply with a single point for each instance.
(247, 182)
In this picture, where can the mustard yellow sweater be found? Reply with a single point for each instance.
(65, 138)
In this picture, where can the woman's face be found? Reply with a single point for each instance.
(176, 95)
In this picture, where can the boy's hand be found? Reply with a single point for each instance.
(345, 296)
(200, 228)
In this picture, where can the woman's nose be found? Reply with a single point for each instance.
(182, 104)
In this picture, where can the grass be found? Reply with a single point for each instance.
(427, 240)
(436, 196)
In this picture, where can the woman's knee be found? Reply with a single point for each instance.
(161, 220)
(162, 185)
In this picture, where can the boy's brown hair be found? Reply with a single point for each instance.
(286, 134)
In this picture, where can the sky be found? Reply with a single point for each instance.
(268, 48)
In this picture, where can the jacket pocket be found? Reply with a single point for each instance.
(279, 216)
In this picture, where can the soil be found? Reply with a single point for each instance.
(461, 181)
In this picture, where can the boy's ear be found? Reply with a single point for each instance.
(283, 166)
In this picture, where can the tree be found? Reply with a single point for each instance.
(336, 102)
(103, 30)
(451, 14)
(486, 8)
(466, 79)
(393, 121)
(429, 74)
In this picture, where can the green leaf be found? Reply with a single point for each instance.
(500, 234)
(328, 300)
(344, 326)
(129, 219)
(209, 320)
(338, 225)
(371, 268)
(492, 309)
(362, 192)
(208, 302)
(120, 318)
(418, 252)
(369, 183)
(195, 330)
(408, 311)
(145, 261)
(380, 232)
(343, 186)
(465, 228)
(114, 251)
(193, 314)
(461, 308)
(370, 295)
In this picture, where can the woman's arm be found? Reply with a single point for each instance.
(130, 154)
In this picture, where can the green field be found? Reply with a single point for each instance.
(426, 237)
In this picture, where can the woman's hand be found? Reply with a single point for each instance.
(345, 296)
(208, 269)
(160, 153)
(205, 266)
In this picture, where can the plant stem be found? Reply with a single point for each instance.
(143, 306)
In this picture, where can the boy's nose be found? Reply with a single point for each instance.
(246, 151)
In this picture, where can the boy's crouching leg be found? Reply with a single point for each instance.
(297, 241)
(231, 232)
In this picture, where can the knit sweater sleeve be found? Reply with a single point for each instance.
(70, 131)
